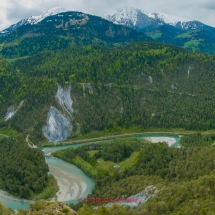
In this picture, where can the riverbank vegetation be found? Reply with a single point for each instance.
(49, 190)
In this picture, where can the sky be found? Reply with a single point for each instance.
(12, 11)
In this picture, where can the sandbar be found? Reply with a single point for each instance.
(169, 140)
(70, 185)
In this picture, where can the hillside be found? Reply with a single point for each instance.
(147, 85)
(63, 29)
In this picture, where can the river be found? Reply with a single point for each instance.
(73, 182)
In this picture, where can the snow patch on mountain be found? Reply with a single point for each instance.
(33, 19)
(138, 19)
(36, 19)
(12, 110)
(122, 15)
(130, 17)
(167, 18)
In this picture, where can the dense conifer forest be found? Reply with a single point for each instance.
(23, 171)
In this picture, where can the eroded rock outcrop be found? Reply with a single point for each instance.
(59, 122)
(58, 126)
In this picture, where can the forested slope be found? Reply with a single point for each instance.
(142, 84)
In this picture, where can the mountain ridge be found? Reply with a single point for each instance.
(62, 30)
(33, 20)
(119, 15)
(165, 28)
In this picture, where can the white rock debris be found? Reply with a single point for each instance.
(188, 71)
(139, 198)
(12, 110)
(121, 110)
(173, 87)
(150, 79)
(64, 99)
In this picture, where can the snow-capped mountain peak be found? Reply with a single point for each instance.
(138, 19)
(130, 17)
(122, 15)
(33, 19)
(36, 19)
(167, 18)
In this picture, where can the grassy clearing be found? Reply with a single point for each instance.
(154, 35)
(8, 132)
(107, 165)
(185, 35)
(93, 152)
(193, 44)
(127, 163)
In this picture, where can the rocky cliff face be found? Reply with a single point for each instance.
(59, 123)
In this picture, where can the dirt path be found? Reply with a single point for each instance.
(4, 135)
(31, 145)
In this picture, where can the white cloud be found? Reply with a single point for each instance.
(11, 11)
